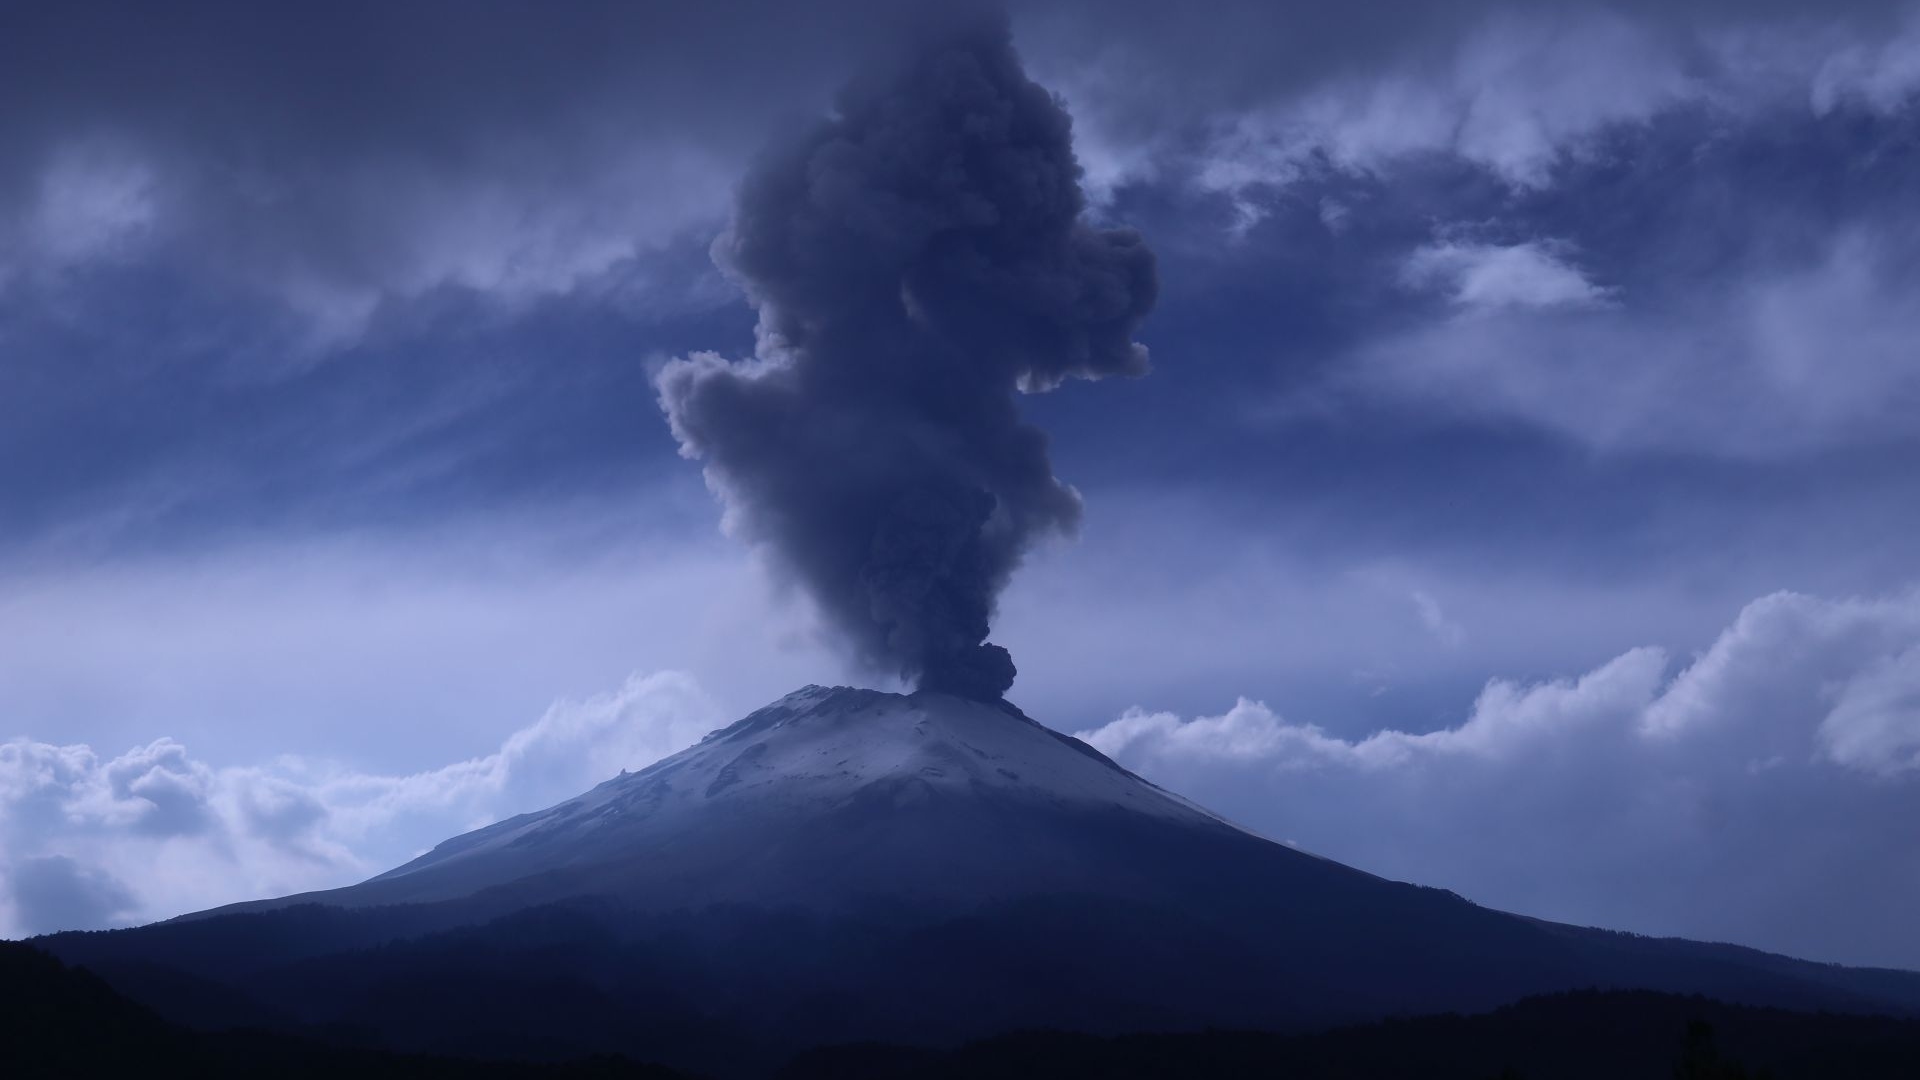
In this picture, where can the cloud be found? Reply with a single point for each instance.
(1875, 723)
(95, 200)
(1249, 102)
(155, 789)
(1793, 666)
(1434, 618)
(1771, 776)
(74, 827)
(519, 152)
(1516, 95)
(1881, 74)
(1489, 277)
(504, 149)
(56, 893)
(1660, 230)
(1768, 358)
(1505, 720)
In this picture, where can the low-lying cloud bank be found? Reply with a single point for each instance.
(87, 841)
(1765, 791)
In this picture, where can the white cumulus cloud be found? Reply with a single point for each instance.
(87, 840)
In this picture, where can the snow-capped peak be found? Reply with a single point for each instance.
(816, 751)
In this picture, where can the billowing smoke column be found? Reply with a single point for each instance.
(915, 260)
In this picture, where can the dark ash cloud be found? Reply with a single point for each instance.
(915, 260)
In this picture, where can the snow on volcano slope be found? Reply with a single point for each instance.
(829, 795)
(823, 747)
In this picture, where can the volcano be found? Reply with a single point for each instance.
(832, 800)
(848, 865)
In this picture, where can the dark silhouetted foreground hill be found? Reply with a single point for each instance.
(57, 1021)
(1590, 1035)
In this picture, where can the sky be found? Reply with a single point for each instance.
(1520, 501)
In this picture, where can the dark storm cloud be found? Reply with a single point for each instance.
(181, 188)
(470, 211)
(338, 157)
(916, 261)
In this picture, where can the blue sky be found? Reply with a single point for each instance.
(1521, 501)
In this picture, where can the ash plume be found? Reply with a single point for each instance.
(916, 260)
